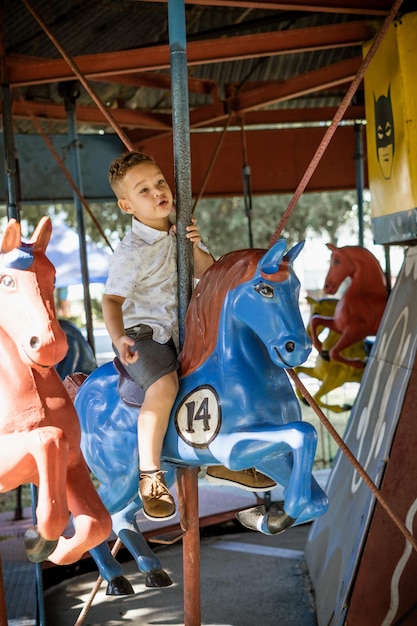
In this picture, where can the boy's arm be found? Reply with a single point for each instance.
(202, 259)
(113, 318)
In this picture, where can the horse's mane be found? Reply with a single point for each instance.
(369, 261)
(203, 314)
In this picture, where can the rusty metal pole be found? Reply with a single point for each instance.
(3, 610)
(191, 548)
(70, 92)
(10, 160)
(359, 168)
(182, 172)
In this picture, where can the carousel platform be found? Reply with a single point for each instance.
(19, 574)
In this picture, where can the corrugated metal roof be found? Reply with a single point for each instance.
(94, 27)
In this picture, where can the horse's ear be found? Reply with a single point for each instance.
(294, 252)
(42, 233)
(269, 263)
(331, 247)
(12, 237)
(311, 300)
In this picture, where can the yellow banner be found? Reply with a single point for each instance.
(391, 132)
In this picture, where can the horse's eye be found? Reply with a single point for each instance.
(7, 281)
(265, 290)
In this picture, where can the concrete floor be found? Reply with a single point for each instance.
(247, 579)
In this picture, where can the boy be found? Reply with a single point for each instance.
(140, 309)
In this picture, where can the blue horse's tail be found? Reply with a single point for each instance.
(109, 437)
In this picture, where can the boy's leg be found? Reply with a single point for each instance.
(153, 420)
(158, 503)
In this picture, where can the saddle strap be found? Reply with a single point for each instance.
(128, 390)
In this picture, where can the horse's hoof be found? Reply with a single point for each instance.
(119, 586)
(157, 578)
(37, 548)
(251, 518)
(270, 522)
(277, 520)
(325, 355)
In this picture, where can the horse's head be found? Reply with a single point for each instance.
(268, 305)
(341, 266)
(27, 308)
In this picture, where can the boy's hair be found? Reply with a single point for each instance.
(122, 164)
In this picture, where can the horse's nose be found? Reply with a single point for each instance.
(35, 342)
(45, 350)
(290, 346)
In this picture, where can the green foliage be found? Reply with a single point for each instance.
(97, 311)
(225, 227)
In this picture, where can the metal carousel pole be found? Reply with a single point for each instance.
(70, 92)
(182, 170)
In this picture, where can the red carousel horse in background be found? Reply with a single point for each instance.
(359, 311)
(39, 428)
(332, 374)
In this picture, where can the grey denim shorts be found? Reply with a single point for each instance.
(155, 359)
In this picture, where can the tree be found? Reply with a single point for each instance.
(224, 225)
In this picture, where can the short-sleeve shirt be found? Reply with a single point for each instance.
(143, 270)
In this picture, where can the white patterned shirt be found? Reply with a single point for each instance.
(143, 270)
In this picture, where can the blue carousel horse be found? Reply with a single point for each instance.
(235, 407)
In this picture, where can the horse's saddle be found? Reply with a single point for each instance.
(128, 390)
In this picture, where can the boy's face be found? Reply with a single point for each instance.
(145, 193)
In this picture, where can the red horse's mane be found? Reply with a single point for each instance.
(371, 270)
(203, 314)
(358, 253)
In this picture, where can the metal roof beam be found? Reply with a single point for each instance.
(98, 66)
(152, 122)
(162, 81)
(277, 117)
(355, 7)
(127, 118)
(273, 93)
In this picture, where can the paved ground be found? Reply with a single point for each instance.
(247, 579)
